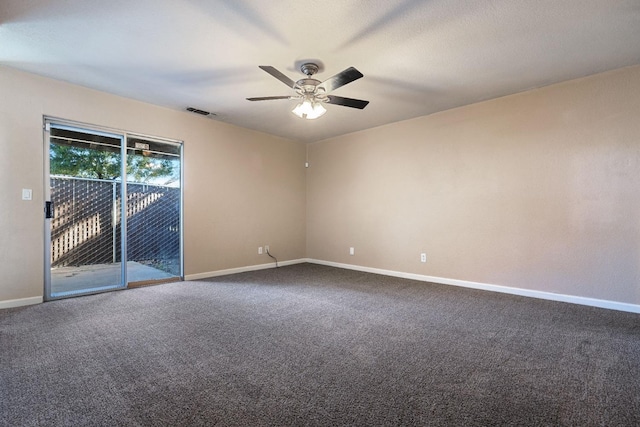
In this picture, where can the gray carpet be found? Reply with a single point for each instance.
(315, 345)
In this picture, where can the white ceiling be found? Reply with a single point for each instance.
(417, 56)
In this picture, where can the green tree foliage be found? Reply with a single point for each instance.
(86, 163)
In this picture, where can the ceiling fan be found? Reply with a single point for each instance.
(312, 93)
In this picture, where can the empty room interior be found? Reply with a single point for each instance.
(320, 213)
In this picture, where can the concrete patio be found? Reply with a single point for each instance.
(90, 277)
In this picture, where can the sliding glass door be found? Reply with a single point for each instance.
(110, 197)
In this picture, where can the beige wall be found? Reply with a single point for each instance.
(539, 190)
(242, 189)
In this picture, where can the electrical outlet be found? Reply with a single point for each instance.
(259, 250)
(423, 257)
(352, 251)
(266, 248)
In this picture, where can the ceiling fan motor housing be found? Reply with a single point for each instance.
(308, 85)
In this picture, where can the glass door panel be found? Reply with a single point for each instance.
(85, 239)
(154, 203)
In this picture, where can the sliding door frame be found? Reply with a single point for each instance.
(59, 123)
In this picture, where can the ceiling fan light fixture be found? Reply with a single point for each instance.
(309, 109)
(312, 93)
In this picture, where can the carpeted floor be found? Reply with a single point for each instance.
(315, 345)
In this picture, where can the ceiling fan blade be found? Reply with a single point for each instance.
(278, 75)
(347, 102)
(269, 98)
(340, 79)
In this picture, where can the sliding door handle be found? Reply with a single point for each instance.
(48, 210)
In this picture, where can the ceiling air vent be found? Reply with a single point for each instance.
(198, 111)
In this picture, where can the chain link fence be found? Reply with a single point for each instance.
(86, 227)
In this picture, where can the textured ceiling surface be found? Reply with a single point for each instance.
(417, 56)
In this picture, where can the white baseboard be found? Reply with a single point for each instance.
(592, 302)
(20, 302)
(217, 273)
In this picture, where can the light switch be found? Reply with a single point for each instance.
(27, 194)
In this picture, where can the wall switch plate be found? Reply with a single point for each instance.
(27, 194)
(423, 257)
(352, 251)
(259, 250)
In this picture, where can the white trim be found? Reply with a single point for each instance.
(20, 302)
(592, 302)
(217, 273)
